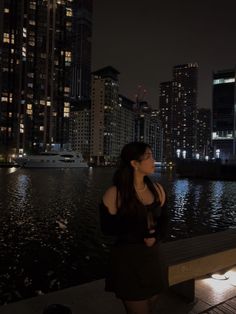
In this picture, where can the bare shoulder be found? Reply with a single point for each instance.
(161, 192)
(109, 199)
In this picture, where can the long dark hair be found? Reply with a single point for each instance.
(123, 179)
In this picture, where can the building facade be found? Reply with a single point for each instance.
(156, 136)
(178, 109)
(224, 114)
(112, 117)
(166, 117)
(82, 50)
(104, 105)
(36, 72)
(148, 128)
(203, 125)
(126, 122)
(80, 132)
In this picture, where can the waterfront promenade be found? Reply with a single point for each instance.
(212, 296)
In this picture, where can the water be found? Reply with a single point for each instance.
(50, 237)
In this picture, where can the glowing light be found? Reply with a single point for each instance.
(219, 276)
(223, 81)
(178, 151)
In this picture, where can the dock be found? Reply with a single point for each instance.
(211, 296)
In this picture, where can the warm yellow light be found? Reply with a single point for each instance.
(219, 276)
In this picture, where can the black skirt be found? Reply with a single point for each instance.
(136, 271)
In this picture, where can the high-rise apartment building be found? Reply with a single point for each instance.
(148, 128)
(37, 55)
(178, 105)
(156, 136)
(125, 122)
(203, 125)
(166, 116)
(82, 49)
(80, 131)
(224, 114)
(112, 117)
(142, 121)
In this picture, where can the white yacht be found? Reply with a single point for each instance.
(68, 159)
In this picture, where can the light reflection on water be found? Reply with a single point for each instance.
(50, 237)
(198, 206)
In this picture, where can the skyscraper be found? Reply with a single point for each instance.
(82, 49)
(178, 105)
(37, 54)
(166, 116)
(224, 113)
(203, 125)
(112, 117)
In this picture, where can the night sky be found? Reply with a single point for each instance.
(145, 39)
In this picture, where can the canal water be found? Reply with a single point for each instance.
(50, 237)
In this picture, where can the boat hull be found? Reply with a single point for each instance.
(52, 160)
(39, 165)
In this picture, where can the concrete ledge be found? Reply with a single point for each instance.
(85, 299)
(90, 298)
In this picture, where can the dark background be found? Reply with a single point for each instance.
(144, 39)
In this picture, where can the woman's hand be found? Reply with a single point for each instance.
(149, 241)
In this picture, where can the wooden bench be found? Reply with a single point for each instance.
(191, 258)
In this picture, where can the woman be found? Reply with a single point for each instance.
(133, 209)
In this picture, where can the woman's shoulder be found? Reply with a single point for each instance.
(110, 199)
(161, 192)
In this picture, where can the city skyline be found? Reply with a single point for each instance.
(135, 38)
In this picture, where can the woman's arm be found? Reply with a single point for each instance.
(161, 193)
(109, 220)
(110, 200)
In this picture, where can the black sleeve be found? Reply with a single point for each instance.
(109, 223)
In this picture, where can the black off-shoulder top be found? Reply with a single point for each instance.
(134, 229)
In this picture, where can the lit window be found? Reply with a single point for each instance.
(6, 38)
(224, 81)
(21, 128)
(69, 12)
(23, 51)
(31, 22)
(24, 32)
(68, 56)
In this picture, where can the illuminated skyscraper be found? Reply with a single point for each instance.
(82, 49)
(224, 113)
(178, 109)
(166, 116)
(36, 60)
(112, 117)
(203, 125)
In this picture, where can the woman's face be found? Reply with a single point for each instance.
(146, 164)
